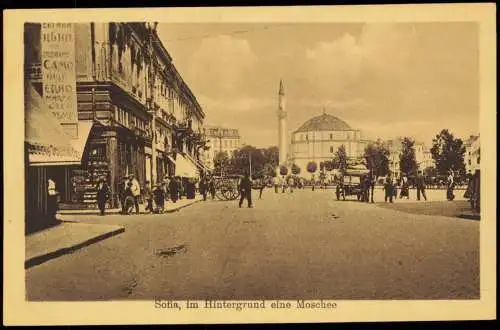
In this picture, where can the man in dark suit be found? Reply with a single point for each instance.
(420, 186)
(245, 188)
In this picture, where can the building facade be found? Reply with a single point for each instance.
(319, 138)
(135, 114)
(423, 156)
(219, 139)
(472, 154)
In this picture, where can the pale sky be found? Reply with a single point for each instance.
(387, 80)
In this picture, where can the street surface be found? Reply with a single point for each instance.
(301, 245)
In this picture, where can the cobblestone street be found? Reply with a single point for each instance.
(290, 246)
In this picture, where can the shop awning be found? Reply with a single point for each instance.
(184, 167)
(197, 163)
(69, 154)
(47, 143)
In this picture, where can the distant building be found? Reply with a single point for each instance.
(220, 139)
(423, 156)
(472, 154)
(320, 137)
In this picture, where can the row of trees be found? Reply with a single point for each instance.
(447, 152)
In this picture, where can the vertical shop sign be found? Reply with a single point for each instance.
(59, 73)
(83, 50)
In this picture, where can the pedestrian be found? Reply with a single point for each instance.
(128, 198)
(136, 191)
(373, 180)
(159, 197)
(211, 187)
(102, 194)
(291, 184)
(148, 196)
(276, 182)
(420, 186)
(203, 187)
(450, 185)
(476, 192)
(405, 187)
(283, 184)
(389, 188)
(366, 188)
(180, 188)
(245, 188)
(165, 184)
(262, 185)
(52, 194)
(122, 185)
(173, 189)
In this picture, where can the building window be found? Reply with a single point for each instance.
(331, 136)
(331, 148)
(307, 137)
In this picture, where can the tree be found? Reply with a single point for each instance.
(283, 170)
(329, 165)
(407, 162)
(448, 153)
(340, 159)
(295, 169)
(221, 160)
(377, 158)
(312, 167)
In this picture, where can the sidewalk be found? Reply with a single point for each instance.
(64, 238)
(169, 207)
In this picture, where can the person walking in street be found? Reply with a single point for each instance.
(420, 186)
(245, 188)
(122, 186)
(102, 195)
(262, 185)
(405, 187)
(52, 198)
(173, 189)
(148, 196)
(128, 198)
(389, 188)
(211, 187)
(450, 185)
(180, 188)
(276, 182)
(365, 191)
(291, 184)
(283, 185)
(136, 191)
(159, 197)
(203, 185)
(373, 180)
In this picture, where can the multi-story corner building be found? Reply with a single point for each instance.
(124, 105)
(472, 154)
(220, 139)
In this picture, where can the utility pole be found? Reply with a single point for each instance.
(250, 160)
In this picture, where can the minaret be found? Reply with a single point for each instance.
(283, 143)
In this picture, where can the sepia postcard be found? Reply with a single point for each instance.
(249, 165)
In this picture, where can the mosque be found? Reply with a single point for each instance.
(317, 139)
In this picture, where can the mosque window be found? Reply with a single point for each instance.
(331, 148)
(331, 136)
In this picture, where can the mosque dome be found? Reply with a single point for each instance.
(324, 122)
